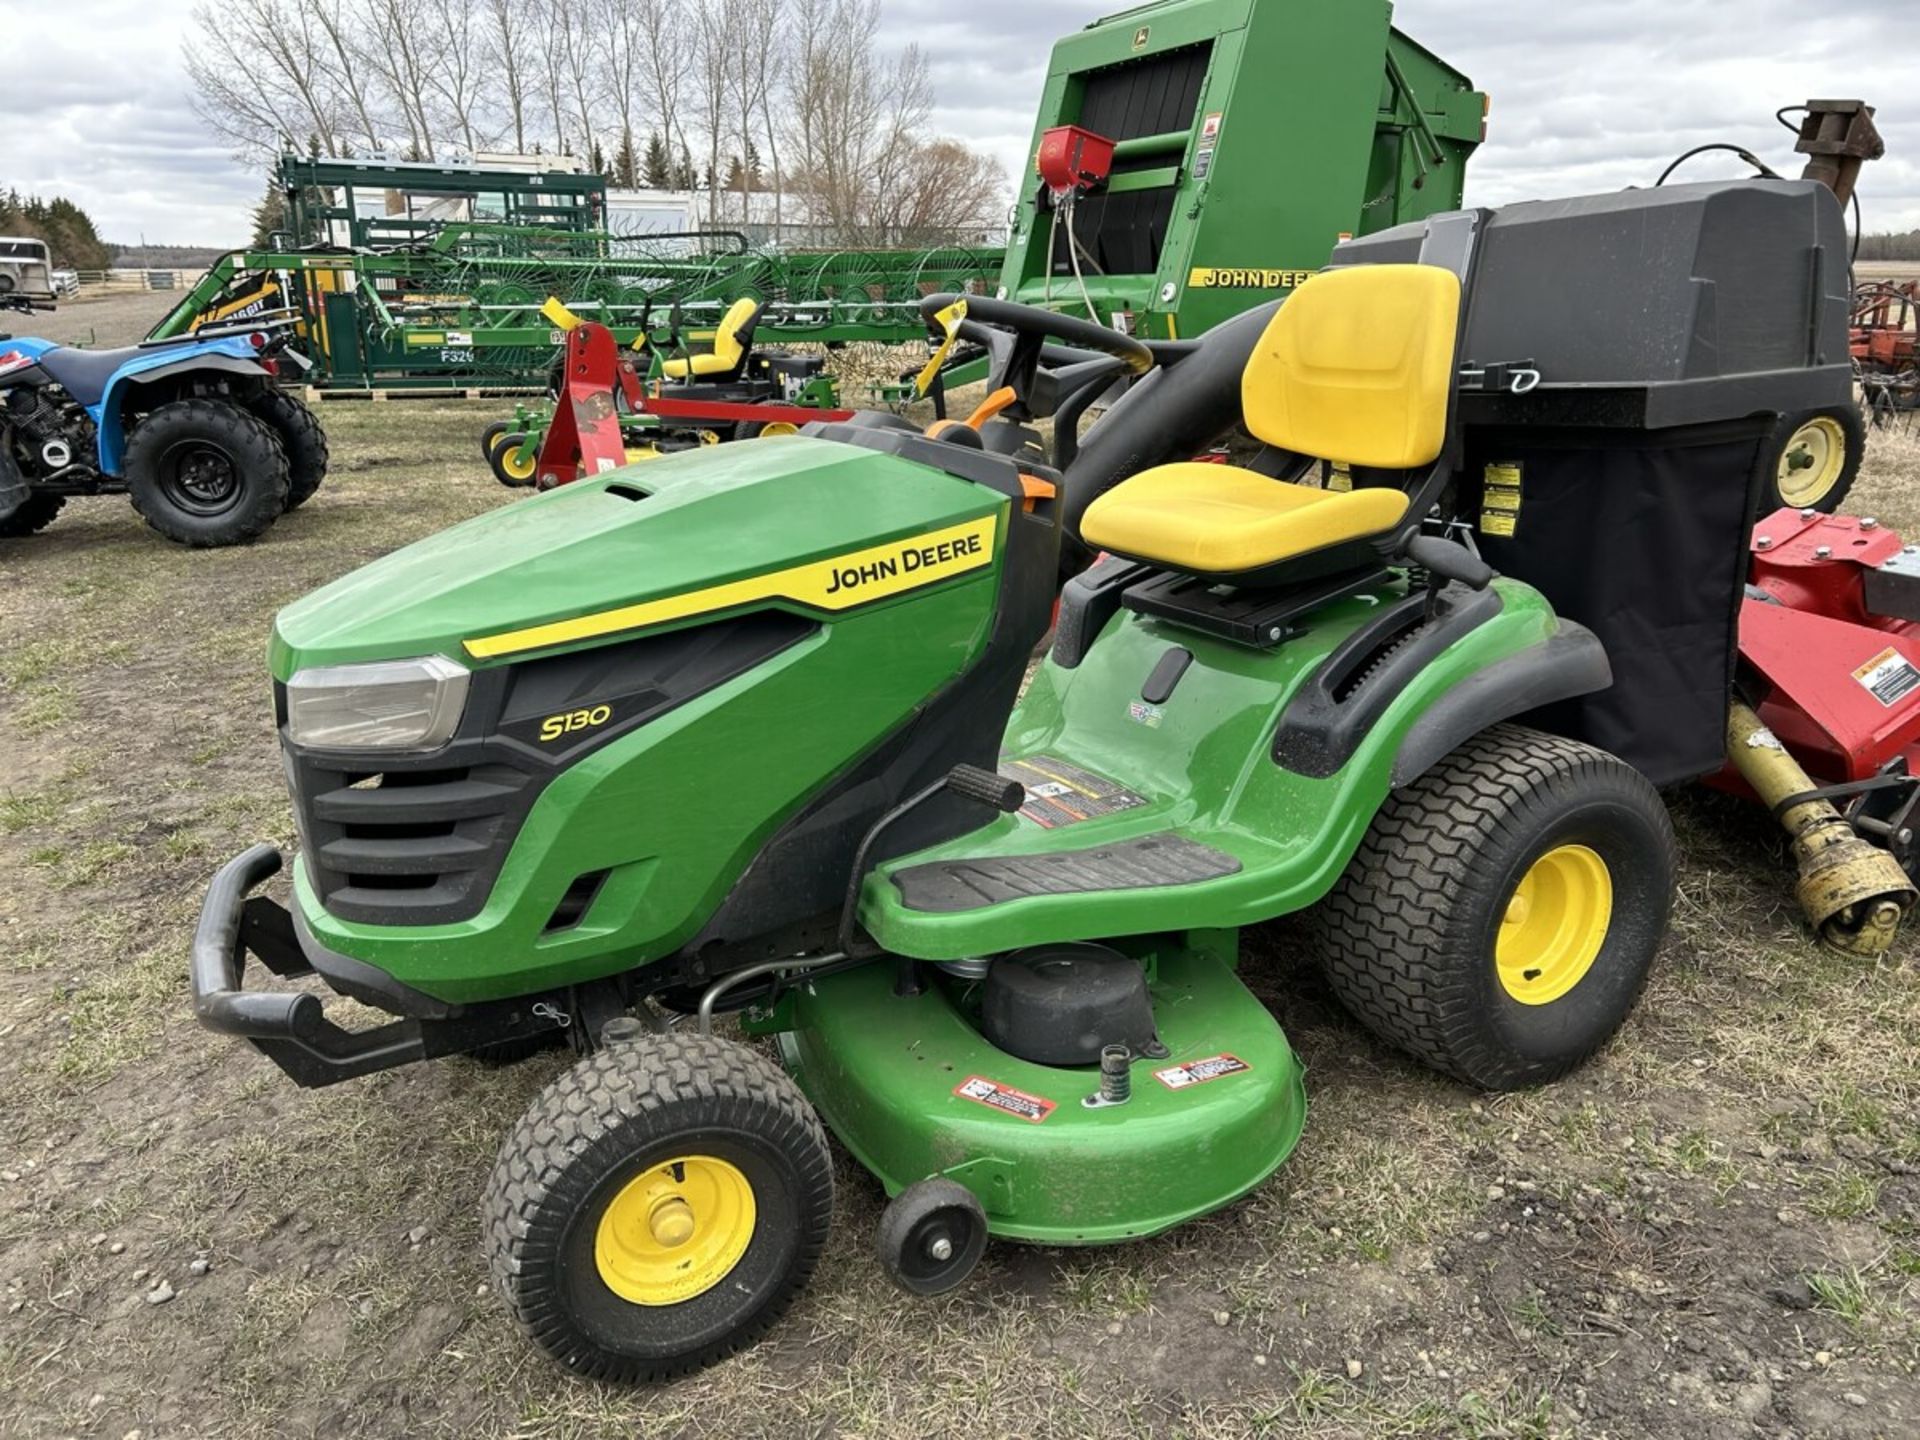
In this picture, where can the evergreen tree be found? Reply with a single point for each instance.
(684, 175)
(626, 165)
(754, 174)
(736, 180)
(596, 160)
(657, 173)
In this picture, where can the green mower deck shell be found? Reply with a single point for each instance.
(1203, 765)
(674, 828)
(883, 1070)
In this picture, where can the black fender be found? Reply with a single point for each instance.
(1569, 663)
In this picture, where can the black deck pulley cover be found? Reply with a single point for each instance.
(1060, 1004)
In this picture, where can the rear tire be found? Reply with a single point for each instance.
(1433, 943)
(1812, 460)
(688, 1131)
(206, 473)
(300, 436)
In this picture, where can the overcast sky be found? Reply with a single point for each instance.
(1588, 96)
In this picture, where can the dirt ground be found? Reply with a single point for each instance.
(1712, 1231)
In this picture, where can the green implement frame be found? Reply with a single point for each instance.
(1251, 138)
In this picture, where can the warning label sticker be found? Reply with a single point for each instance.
(1062, 794)
(992, 1093)
(1199, 1072)
(1889, 676)
(1500, 500)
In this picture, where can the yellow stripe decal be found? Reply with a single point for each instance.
(837, 583)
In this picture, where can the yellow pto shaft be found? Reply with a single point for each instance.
(1852, 891)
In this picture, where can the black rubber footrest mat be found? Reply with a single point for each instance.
(1148, 863)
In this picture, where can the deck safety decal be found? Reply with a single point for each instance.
(1199, 1072)
(1889, 677)
(994, 1095)
(1061, 794)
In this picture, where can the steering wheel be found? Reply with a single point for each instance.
(1044, 378)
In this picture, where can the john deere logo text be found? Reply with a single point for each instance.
(554, 726)
(1208, 278)
(951, 554)
(837, 582)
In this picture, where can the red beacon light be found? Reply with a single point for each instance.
(1072, 159)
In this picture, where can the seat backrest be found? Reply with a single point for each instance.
(731, 336)
(1357, 366)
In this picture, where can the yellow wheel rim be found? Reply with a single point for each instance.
(1812, 463)
(777, 427)
(675, 1231)
(637, 453)
(1555, 923)
(514, 465)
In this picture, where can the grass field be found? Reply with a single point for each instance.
(1712, 1231)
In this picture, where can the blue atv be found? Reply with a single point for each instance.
(196, 431)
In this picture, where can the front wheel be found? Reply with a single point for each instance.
(1812, 459)
(1501, 914)
(300, 436)
(658, 1207)
(206, 473)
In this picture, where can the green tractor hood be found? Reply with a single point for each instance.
(793, 521)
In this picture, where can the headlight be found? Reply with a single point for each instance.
(386, 705)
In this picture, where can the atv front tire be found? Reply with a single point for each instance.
(206, 473)
(1502, 912)
(300, 436)
(658, 1207)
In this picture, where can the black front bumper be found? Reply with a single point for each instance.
(290, 1027)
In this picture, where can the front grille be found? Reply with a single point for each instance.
(420, 840)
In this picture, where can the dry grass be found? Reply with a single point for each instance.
(1595, 1259)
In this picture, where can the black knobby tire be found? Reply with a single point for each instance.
(1836, 430)
(36, 512)
(300, 436)
(613, 1117)
(489, 435)
(238, 484)
(1407, 937)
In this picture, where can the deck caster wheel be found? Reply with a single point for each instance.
(932, 1236)
(658, 1207)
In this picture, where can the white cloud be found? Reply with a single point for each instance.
(94, 99)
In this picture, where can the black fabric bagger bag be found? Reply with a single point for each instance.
(1640, 537)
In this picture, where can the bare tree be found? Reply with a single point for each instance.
(665, 63)
(397, 45)
(622, 31)
(458, 73)
(716, 37)
(506, 39)
(338, 24)
(259, 73)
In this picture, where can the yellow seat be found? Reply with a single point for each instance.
(1220, 520)
(729, 345)
(1356, 367)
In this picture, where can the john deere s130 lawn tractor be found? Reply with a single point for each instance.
(743, 729)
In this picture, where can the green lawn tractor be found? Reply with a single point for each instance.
(751, 729)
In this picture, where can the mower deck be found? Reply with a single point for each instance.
(912, 1089)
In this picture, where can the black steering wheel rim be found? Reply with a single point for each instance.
(1034, 322)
